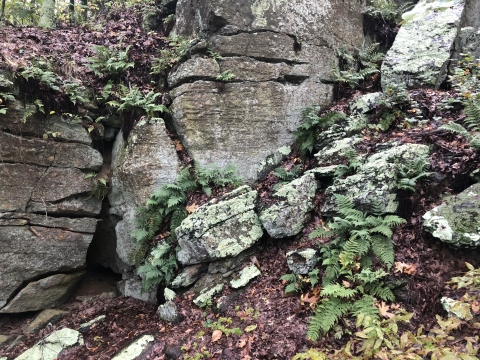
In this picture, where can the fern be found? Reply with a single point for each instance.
(109, 61)
(409, 172)
(286, 176)
(327, 314)
(166, 207)
(387, 10)
(352, 165)
(132, 101)
(307, 133)
(472, 111)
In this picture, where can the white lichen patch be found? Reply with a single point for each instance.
(438, 225)
(135, 349)
(207, 294)
(246, 275)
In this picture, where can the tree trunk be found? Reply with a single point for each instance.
(47, 14)
(2, 11)
(85, 9)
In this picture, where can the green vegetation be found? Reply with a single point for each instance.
(391, 107)
(110, 61)
(387, 10)
(134, 103)
(169, 57)
(357, 65)
(350, 284)
(354, 162)
(286, 176)
(166, 208)
(307, 133)
(221, 325)
(297, 282)
(409, 172)
(225, 76)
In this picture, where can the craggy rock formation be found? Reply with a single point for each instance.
(220, 228)
(280, 54)
(456, 220)
(140, 166)
(43, 184)
(421, 52)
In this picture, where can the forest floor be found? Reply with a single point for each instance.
(271, 323)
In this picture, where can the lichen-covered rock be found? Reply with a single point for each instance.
(139, 167)
(245, 276)
(288, 216)
(45, 293)
(302, 261)
(136, 349)
(457, 220)
(323, 172)
(365, 103)
(336, 151)
(131, 286)
(376, 179)
(279, 68)
(422, 48)
(50, 347)
(188, 276)
(194, 69)
(220, 228)
(87, 326)
(48, 316)
(273, 160)
(207, 294)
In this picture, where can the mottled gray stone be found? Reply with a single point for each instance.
(375, 179)
(50, 347)
(29, 251)
(422, 48)
(289, 215)
(302, 261)
(77, 205)
(323, 172)
(168, 312)
(457, 220)
(135, 350)
(365, 103)
(139, 167)
(194, 69)
(188, 276)
(336, 151)
(207, 294)
(45, 293)
(85, 327)
(247, 274)
(220, 228)
(131, 286)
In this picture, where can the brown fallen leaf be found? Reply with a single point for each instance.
(383, 309)
(475, 307)
(405, 268)
(312, 301)
(191, 208)
(216, 335)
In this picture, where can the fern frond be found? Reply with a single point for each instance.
(393, 220)
(472, 110)
(382, 248)
(458, 129)
(382, 229)
(327, 314)
(378, 290)
(358, 246)
(365, 306)
(337, 290)
(178, 215)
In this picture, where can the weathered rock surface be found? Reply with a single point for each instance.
(87, 326)
(279, 64)
(302, 261)
(457, 220)
(422, 48)
(33, 245)
(48, 316)
(131, 286)
(136, 349)
(207, 294)
(139, 167)
(220, 228)
(49, 292)
(247, 274)
(194, 69)
(50, 347)
(289, 215)
(376, 179)
(188, 276)
(168, 312)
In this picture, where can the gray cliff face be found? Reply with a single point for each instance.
(279, 53)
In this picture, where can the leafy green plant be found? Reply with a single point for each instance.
(391, 105)
(159, 266)
(387, 10)
(169, 57)
(474, 140)
(5, 97)
(133, 102)
(100, 190)
(111, 62)
(75, 92)
(354, 162)
(169, 19)
(219, 325)
(350, 285)
(296, 282)
(357, 65)
(41, 72)
(286, 176)
(307, 133)
(408, 173)
(225, 76)
(166, 207)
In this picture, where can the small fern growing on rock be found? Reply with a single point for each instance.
(306, 134)
(350, 285)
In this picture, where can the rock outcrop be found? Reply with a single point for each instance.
(281, 65)
(422, 49)
(456, 221)
(220, 228)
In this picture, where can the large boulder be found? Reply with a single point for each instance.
(375, 180)
(140, 165)
(288, 216)
(34, 245)
(423, 47)
(279, 69)
(457, 220)
(220, 228)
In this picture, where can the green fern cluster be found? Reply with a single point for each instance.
(43, 73)
(169, 57)
(133, 102)
(297, 282)
(285, 175)
(307, 133)
(411, 171)
(353, 163)
(167, 207)
(109, 61)
(349, 284)
(387, 10)
(390, 107)
(357, 66)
